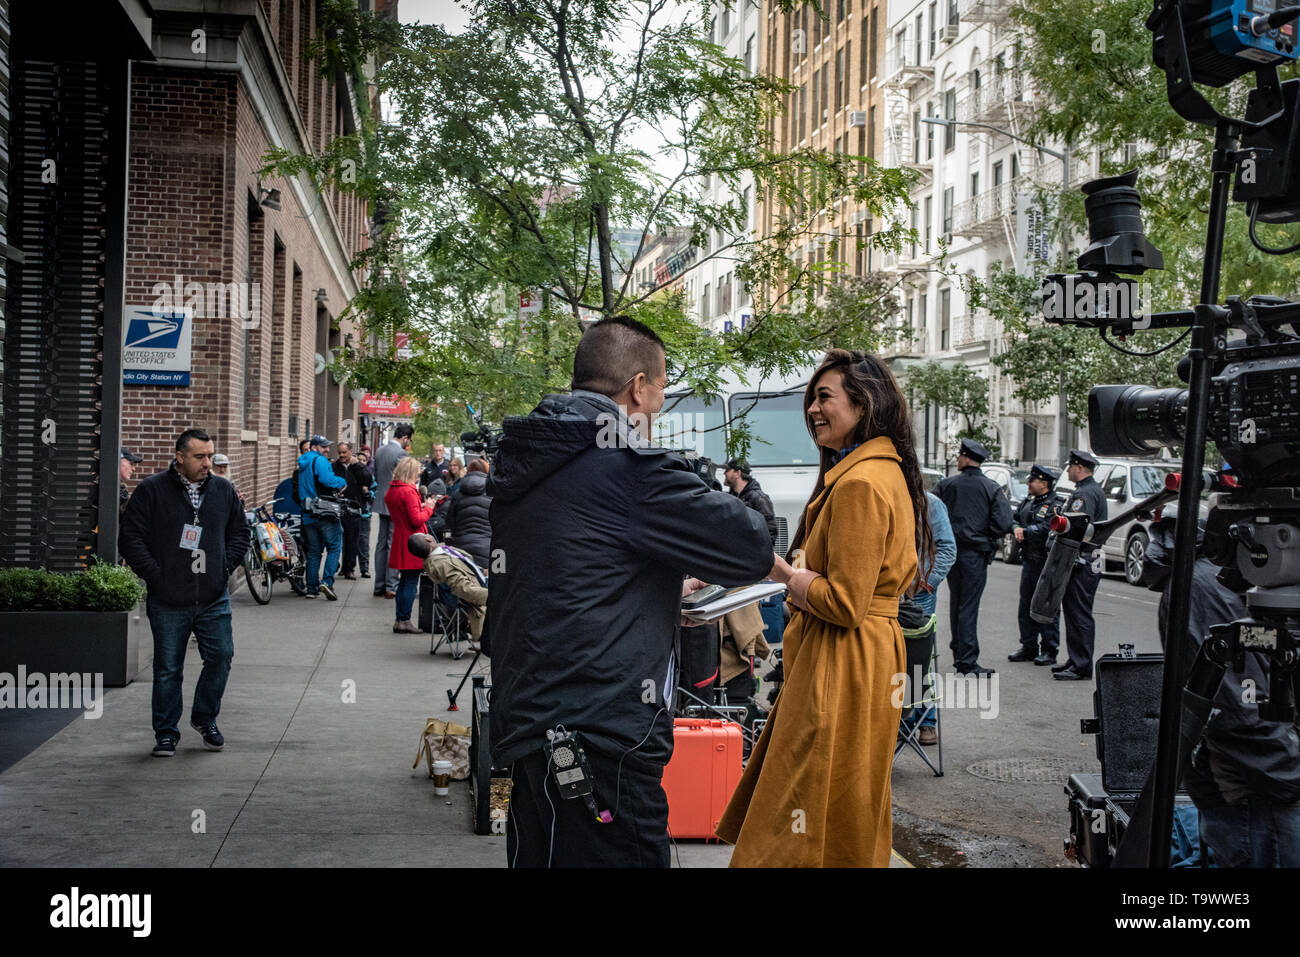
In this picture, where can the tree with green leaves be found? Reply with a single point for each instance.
(962, 393)
(1090, 65)
(512, 154)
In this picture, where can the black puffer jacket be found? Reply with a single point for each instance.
(155, 517)
(468, 526)
(754, 497)
(595, 537)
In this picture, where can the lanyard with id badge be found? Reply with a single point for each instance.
(192, 533)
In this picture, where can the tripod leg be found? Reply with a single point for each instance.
(453, 695)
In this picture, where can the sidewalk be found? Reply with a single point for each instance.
(305, 780)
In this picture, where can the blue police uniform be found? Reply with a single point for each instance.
(1034, 515)
(980, 515)
(1080, 628)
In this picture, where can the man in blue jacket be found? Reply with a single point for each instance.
(321, 531)
(593, 530)
(184, 533)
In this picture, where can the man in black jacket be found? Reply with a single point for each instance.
(980, 515)
(594, 529)
(743, 485)
(184, 533)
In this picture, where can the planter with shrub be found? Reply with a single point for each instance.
(86, 622)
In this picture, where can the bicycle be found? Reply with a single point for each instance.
(275, 554)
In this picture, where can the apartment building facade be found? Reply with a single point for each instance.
(956, 61)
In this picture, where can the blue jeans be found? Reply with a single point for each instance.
(408, 587)
(327, 537)
(171, 636)
(1253, 834)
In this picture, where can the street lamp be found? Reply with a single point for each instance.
(1062, 417)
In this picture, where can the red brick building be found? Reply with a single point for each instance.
(229, 82)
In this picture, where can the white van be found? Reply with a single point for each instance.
(782, 456)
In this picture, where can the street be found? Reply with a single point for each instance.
(312, 777)
(1001, 801)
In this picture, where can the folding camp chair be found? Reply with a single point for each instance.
(925, 694)
(450, 622)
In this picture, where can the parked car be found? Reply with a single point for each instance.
(1126, 481)
(1014, 487)
(931, 477)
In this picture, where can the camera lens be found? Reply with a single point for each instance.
(1135, 419)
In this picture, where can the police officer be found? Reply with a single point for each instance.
(1033, 518)
(1080, 629)
(980, 515)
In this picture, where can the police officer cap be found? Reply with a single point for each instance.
(973, 450)
(1046, 473)
(1086, 459)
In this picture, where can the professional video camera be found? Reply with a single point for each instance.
(1243, 373)
(483, 440)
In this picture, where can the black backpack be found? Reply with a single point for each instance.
(293, 489)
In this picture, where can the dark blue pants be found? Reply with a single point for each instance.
(408, 587)
(1080, 629)
(1254, 834)
(966, 582)
(324, 537)
(1030, 630)
(171, 637)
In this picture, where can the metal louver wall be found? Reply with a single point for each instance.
(5, 252)
(62, 140)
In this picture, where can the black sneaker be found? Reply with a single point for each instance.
(365, 574)
(312, 594)
(328, 593)
(212, 739)
(166, 747)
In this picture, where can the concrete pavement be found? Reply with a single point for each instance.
(307, 778)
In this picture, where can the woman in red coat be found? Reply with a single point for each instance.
(409, 515)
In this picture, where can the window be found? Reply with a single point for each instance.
(918, 38)
(929, 131)
(778, 422)
(749, 54)
(875, 23)
(839, 80)
(911, 311)
(947, 211)
(826, 82)
(952, 12)
(859, 260)
(871, 132)
(974, 183)
(816, 100)
(924, 309)
(950, 113)
(747, 206)
(839, 11)
(1115, 485)
(847, 60)
(997, 174)
(975, 80)
(864, 51)
(945, 316)
(704, 302)
(1015, 165)
(916, 136)
(803, 111)
(934, 27)
(929, 220)
(915, 222)
(900, 46)
(726, 21)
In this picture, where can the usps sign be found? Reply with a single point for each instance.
(156, 346)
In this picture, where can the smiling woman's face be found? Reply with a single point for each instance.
(833, 413)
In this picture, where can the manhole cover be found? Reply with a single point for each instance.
(1024, 770)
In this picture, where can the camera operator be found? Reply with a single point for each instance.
(596, 528)
(1244, 775)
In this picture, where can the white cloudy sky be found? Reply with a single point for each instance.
(446, 12)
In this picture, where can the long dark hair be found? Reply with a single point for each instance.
(872, 388)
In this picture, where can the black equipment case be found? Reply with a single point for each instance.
(1126, 721)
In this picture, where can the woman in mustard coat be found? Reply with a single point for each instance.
(816, 792)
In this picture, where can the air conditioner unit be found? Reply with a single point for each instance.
(857, 118)
(861, 216)
(949, 32)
